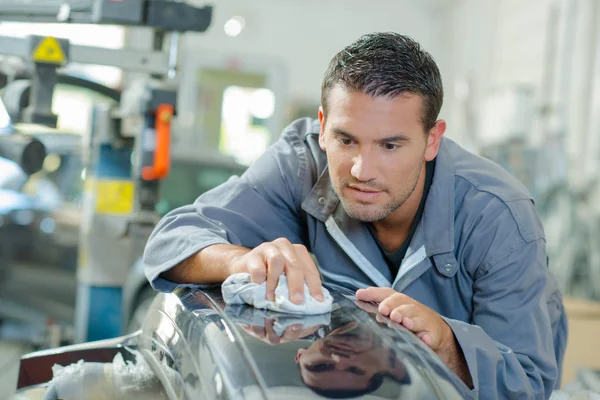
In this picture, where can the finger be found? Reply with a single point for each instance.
(258, 331)
(257, 270)
(403, 311)
(415, 324)
(271, 335)
(291, 333)
(310, 271)
(425, 338)
(275, 262)
(293, 271)
(376, 294)
(295, 280)
(396, 315)
(302, 333)
(394, 301)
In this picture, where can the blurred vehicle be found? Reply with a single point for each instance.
(193, 346)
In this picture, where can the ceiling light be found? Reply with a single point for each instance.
(234, 26)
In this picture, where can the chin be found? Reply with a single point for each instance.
(364, 213)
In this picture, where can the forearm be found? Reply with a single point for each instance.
(454, 358)
(212, 264)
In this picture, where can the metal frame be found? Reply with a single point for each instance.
(166, 15)
(152, 62)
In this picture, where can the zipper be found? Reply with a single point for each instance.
(354, 254)
(421, 254)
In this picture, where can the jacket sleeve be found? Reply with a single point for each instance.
(515, 341)
(259, 206)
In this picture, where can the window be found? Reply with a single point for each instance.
(244, 135)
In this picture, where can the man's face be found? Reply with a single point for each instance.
(345, 359)
(376, 149)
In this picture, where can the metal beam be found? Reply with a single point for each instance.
(165, 15)
(152, 62)
(44, 11)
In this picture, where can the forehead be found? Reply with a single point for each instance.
(359, 112)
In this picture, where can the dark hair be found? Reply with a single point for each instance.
(374, 384)
(387, 64)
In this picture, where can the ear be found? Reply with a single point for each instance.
(299, 354)
(433, 139)
(322, 132)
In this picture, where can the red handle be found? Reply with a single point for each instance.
(162, 153)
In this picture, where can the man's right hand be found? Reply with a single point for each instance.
(271, 259)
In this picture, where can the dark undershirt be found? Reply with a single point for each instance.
(394, 258)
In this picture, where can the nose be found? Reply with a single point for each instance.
(363, 168)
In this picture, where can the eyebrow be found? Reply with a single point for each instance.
(394, 138)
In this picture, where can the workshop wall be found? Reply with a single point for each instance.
(542, 47)
(303, 36)
(307, 34)
(294, 41)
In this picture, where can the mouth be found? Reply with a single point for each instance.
(364, 194)
(364, 189)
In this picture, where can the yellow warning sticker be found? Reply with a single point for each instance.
(114, 197)
(49, 51)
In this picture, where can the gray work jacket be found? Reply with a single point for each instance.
(477, 256)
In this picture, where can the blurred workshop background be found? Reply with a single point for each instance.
(522, 87)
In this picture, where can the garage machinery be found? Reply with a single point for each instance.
(127, 150)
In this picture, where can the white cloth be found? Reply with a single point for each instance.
(239, 289)
(251, 316)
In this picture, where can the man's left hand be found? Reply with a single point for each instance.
(427, 324)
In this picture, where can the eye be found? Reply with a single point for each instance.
(390, 146)
(320, 367)
(345, 141)
(356, 371)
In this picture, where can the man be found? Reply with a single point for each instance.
(349, 361)
(448, 243)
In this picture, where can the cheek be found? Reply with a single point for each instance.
(339, 164)
(400, 170)
(405, 163)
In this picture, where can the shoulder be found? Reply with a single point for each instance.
(485, 175)
(299, 132)
(303, 135)
(288, 165)
(487, 194)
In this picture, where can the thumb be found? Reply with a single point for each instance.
(376, 294)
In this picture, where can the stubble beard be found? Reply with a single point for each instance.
(367, 212)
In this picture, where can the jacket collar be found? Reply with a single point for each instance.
(438, 217)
